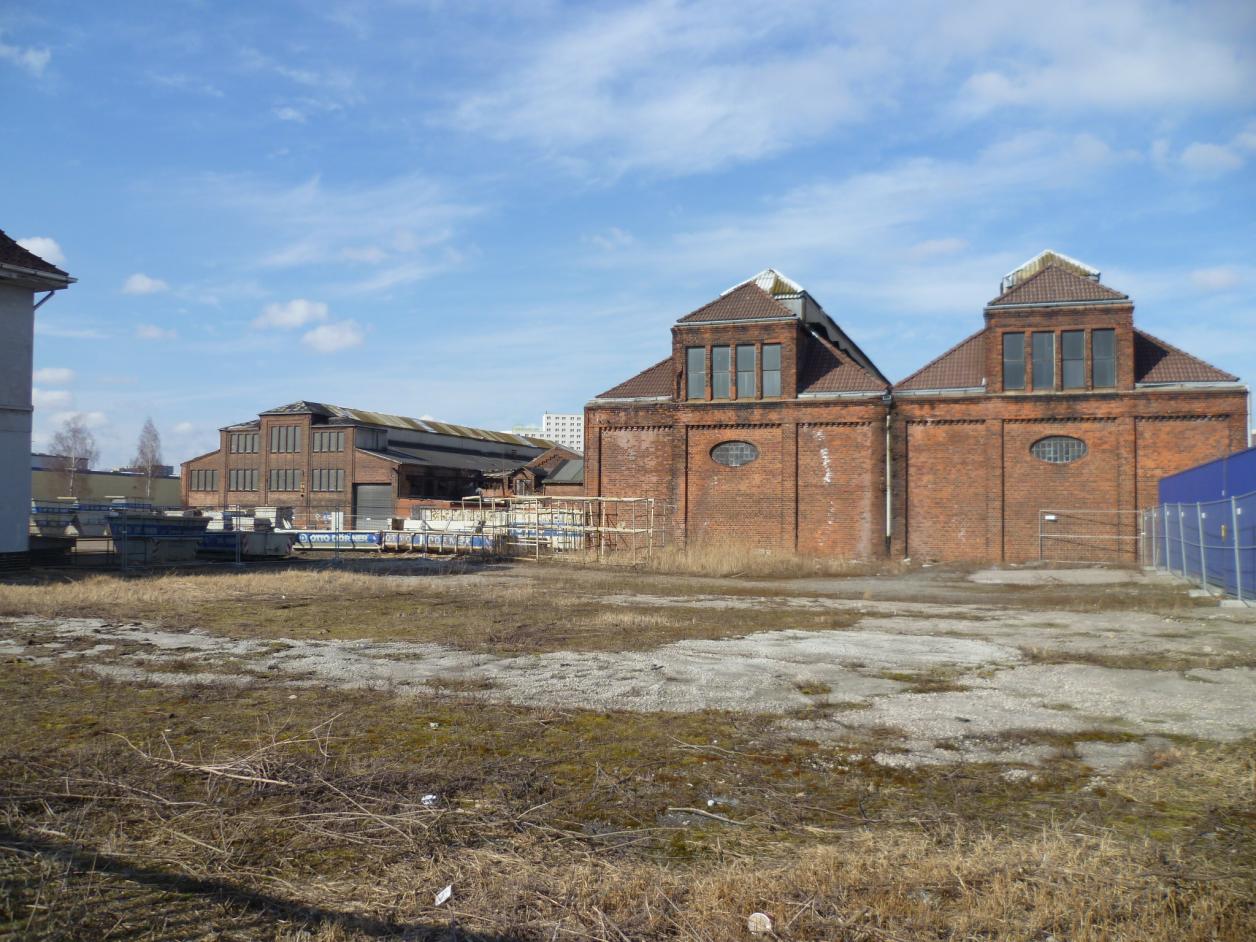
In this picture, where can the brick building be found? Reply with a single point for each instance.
(765, 426)
(768, 427)
(318, 458)
(1057, 404)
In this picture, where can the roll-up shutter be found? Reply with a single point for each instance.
(372, 506)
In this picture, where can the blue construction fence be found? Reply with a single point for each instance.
(1205, 527)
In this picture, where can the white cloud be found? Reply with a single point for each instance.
(295, 313)
(932, 248)
(1210, 160)
(90, 419)
(29, 58)
(153, 332)
(45, 248)
(50, 398)
(184, 428)
(402, 227)
(1221, 278)
(612, 239)
(288, 113)
(139, 283)
(330, 338)
(54, 374)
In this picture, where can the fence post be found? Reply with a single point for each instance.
(1181, 540)
(1238, 558)
(1168, 555)
(1203, 559)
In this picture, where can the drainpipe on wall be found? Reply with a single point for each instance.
(889, 481)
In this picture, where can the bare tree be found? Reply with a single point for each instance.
(74, 449)
(148, 455)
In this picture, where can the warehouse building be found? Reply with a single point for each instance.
(764, 427)
(1059, 413)
(767, 426)
(322, 459)
(22, 276)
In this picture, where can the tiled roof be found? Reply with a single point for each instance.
(961, 367)
(13, 254)
(649, 383)
(827, 370)
(1053, 285)
(748, 302)
(1158, 362)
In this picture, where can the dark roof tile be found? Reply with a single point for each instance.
(748, 302)
(648, 384)
(1054, 285)
(1156, 361)
(961, 367)
(13, 254)
(827, 370)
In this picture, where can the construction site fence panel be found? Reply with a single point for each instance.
(1209, 542)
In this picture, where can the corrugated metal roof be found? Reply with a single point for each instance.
(569, 472)
(439, 458)
(365, 417)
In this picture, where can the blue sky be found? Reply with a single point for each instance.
(482, 211)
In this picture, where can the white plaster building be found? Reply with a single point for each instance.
(22, 276)
(566, 428)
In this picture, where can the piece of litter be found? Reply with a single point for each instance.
(759, 923)
(428, 800)
(292, 696)
(443, 896)
(433, 725)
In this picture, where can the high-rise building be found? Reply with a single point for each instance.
(566, 428)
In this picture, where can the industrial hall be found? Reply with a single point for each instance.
(769, 426)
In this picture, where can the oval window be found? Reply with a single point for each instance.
(734, 454)
(1058, 449)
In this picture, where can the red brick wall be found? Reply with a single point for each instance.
(734, 505)
(1167, 445)
(945, 499)
(840, 510)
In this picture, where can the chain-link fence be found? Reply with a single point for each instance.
(1209, 542)
(1088, 536)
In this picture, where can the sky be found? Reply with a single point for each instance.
(480, 212)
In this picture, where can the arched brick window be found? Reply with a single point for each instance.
(734, 454)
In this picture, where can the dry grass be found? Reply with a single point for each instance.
(556, 825)
(724, 560)
(547, 612)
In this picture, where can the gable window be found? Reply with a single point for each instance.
(734, 454)
(1058, 449)
(1073, 358)
(1044, 360)
(1014, 361)
(720, 366)
(745, 371)
(1103, 358)
(695, 372)
(771, 369)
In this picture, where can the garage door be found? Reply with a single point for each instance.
(372, 506)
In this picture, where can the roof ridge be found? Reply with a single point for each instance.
(732, 293)
(940, 357)
(1189, 356)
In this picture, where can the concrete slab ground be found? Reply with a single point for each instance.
(991, 678)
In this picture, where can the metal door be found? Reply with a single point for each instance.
(372, 506)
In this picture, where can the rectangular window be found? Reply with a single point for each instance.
(203, 479)
(285, 479)
(1073, 358)
(1044, 361)
(745, 371)
(328, 441)
(771, 369)
(328, 479)
(721, 363)
(242, 479)
(695, 372)
(1014, 361)
(285, 438)
(1103, 358)
(243, 443)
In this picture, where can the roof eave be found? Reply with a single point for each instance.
(844, 394)
(1194, 384)
(1025, 305)
(603, 400)
(34, 278)
(950, 391)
